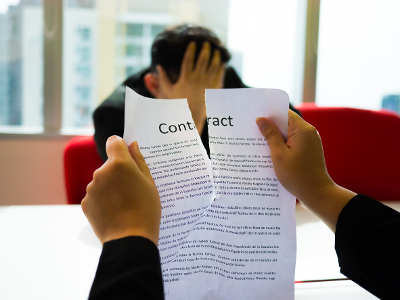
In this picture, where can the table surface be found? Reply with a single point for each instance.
(51, 252)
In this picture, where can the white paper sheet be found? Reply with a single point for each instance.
(242, 244)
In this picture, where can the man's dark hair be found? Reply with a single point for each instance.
(170, 45)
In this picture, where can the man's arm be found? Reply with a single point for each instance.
(123, 207)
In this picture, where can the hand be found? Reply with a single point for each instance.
(299, 163)
(122, 200)
(193, 81)
(300, 167)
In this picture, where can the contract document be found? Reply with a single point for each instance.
(227, 228)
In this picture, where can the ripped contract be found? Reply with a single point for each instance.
(228, 226)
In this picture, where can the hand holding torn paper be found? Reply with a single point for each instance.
(228, 227)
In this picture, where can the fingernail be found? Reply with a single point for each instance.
(261, 123)
(115, 137)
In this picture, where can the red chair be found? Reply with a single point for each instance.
(362, 148)
(80, 161)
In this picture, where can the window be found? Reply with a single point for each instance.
(84, 34)
(156, 29)
(84, 54)
(133, 50)
(80, 116)
(104, 42)
(84, 93)
(84, 71)
(134, 30)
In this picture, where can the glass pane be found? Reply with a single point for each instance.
(83, 33)
(79, 63)
(84, 54)
(134, 29)
(133, 50)
(156, 29)
(21, 63)
(358, 54)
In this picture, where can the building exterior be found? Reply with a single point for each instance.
(79, 64)
(25, 64)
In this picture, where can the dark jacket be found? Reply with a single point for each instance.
(108, 118)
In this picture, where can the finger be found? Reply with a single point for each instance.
(188, 60)
(272, 134)
(87, 205)
(204, 58)
(164, 81)
(116, 148)
(84, 204)
(295, 118)
(139, 159)
(215, 65)
(219, 78)
(295, 122)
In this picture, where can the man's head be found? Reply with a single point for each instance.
(186, 60)
(169, 49)
(170, 45)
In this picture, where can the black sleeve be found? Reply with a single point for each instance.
(129, 268)
(108, 118)
(368, 246)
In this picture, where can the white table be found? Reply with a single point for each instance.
(51, 252)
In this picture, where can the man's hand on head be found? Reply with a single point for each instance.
(193, 80)
(122, 200)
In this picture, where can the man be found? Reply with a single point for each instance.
(186, 60)
(123, 207)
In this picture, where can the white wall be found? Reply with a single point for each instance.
(31, 171)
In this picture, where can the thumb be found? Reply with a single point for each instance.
(139, 159)
(271, 133)
(117, 148)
